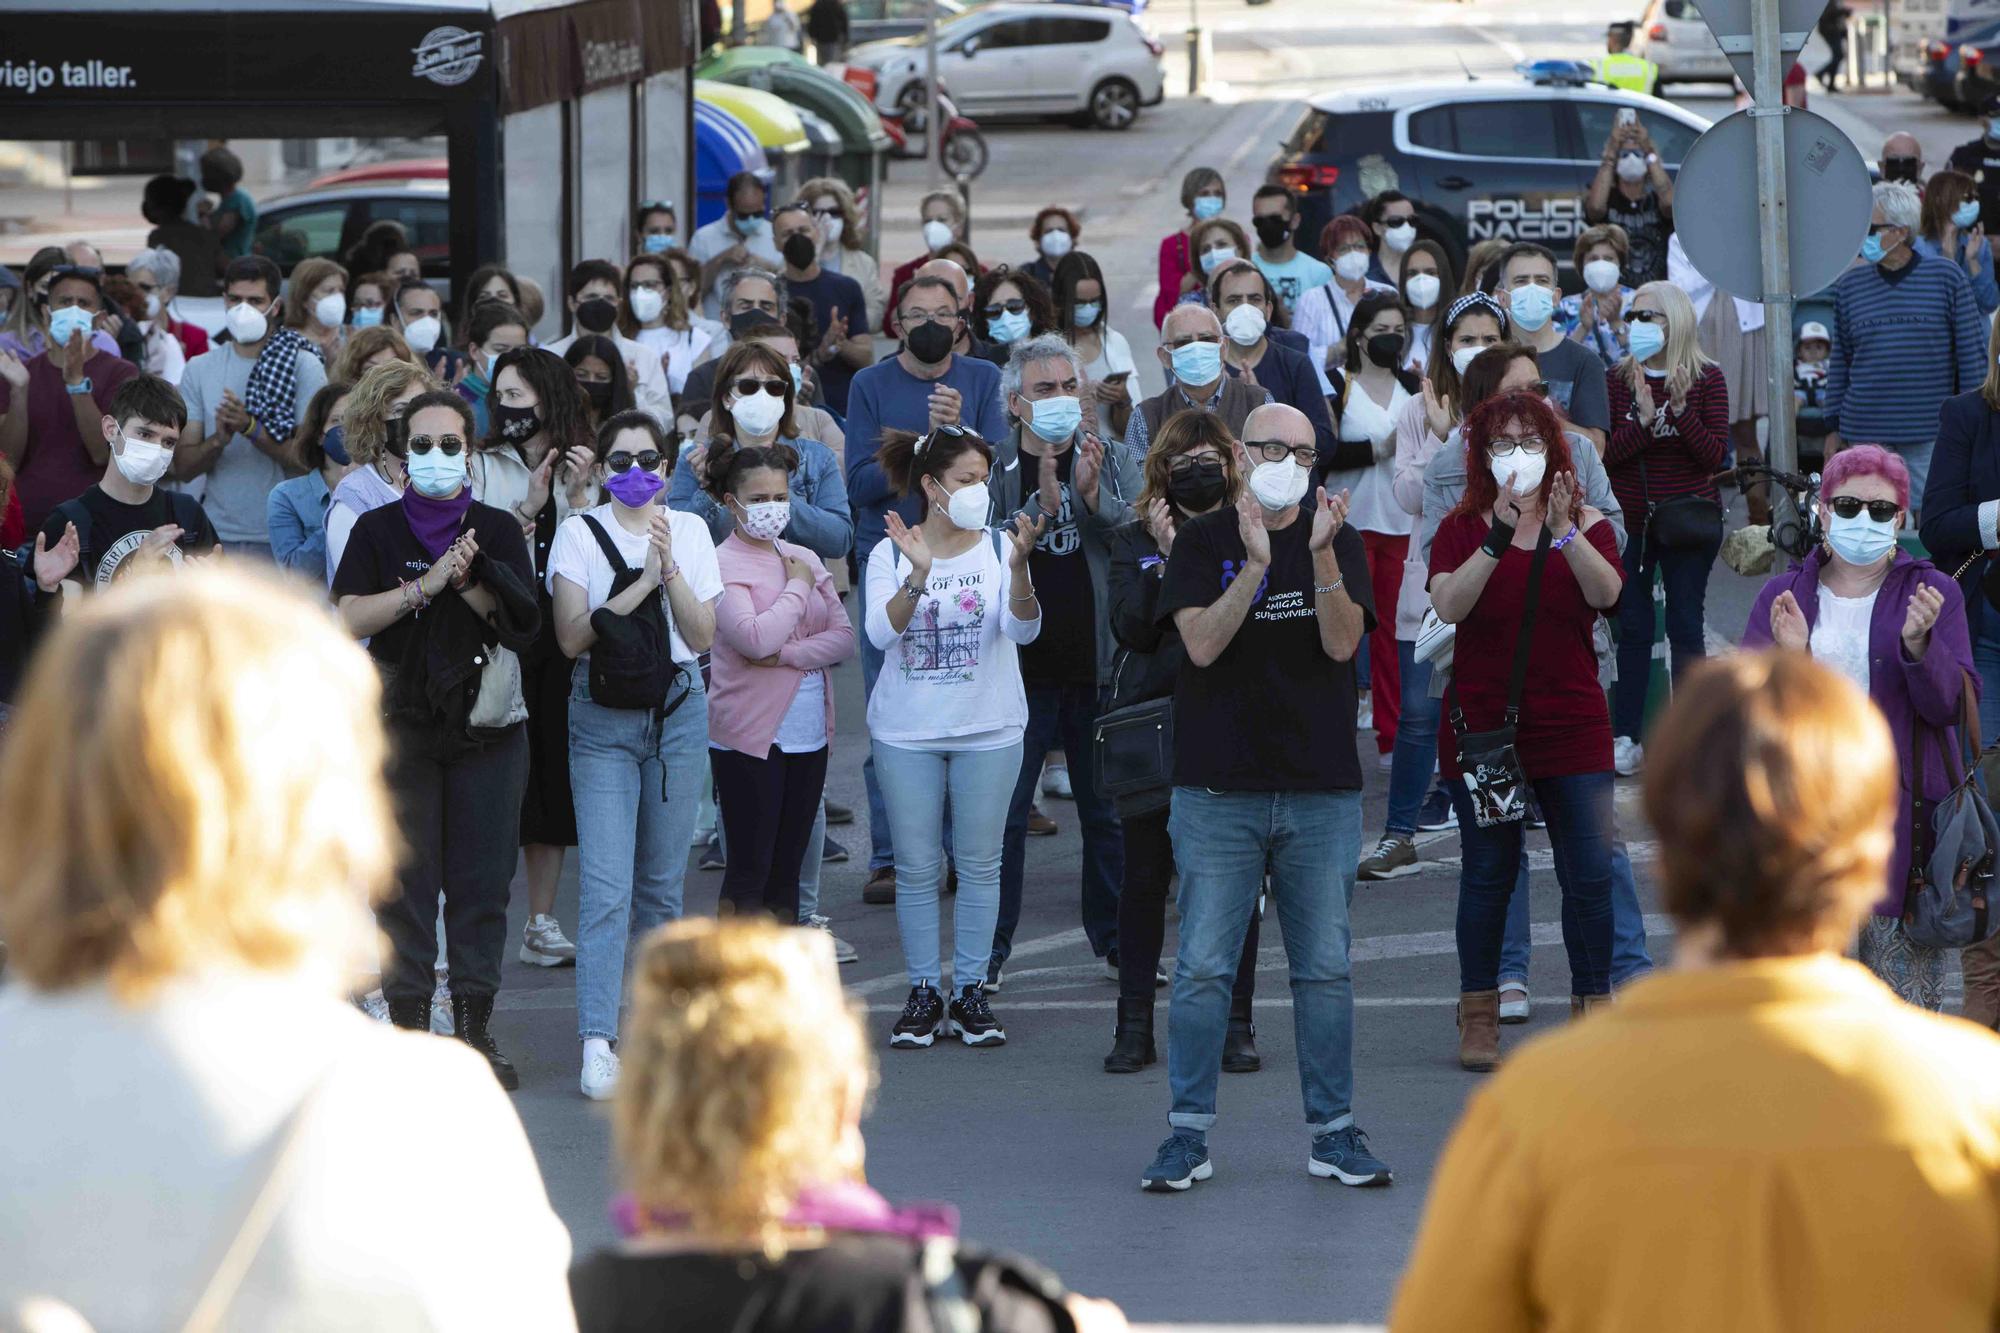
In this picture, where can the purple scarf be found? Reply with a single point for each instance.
(851, 1207)
(435, 523)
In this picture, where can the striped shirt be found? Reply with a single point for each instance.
(1672, 453)
(1903, 342)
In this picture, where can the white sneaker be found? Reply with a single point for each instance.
(441, 1021)
(843, 952)
(1514, 1010)
(373, 1005)
(1627, 756)
(1055, 782)
(1364, 716)
(543, 944)
(600, 1075)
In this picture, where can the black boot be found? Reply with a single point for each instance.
(414, 1015)
(1239, 1048)
(1132, 1041)
(470, 1015)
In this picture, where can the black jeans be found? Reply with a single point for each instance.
(459, 811)
(768, 807)
(1142, 911)
(1684, 570)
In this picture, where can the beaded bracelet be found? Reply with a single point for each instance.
(1566, 538)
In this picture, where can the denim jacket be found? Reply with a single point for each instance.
(821, 520)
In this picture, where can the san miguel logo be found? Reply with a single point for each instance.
(448, 56)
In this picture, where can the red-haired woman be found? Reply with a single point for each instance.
(1324, 313)
(1523, 522)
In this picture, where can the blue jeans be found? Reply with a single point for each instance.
(809, 868)
(1414, 760)
(1986, 660)
(1224, 841)
(637, 784)
(1578, 808)
(1685, 572)
(881, 846)
(1629, 957)
(915, 784)
(1064, 715)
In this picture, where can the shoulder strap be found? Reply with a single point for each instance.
(78, 513)
(187, 511)
(609, 547)
(1526, 638)
(999, 535)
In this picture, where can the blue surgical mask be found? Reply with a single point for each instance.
(1207, 206)
(1010, 327)
(1055, 419)
(1860, 540)
(1530, 306)
(1965, 214)
(1087, 314)
(1645, 340)
(367, 316)
(1198, 363)
(658, 242)
(64, 324)
(334, 443)
(436, 474)
(750, 226)
(1871, 249)
(798, 381)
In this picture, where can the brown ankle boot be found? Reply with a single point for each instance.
(1479, 1030)
(1580, 1005)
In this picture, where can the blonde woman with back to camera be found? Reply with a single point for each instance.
(738, 1135)
(198, 1132)
(1763, 1136)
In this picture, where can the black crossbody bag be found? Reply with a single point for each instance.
(1488, 760)
(1686, 522)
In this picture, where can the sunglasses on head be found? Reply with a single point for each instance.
(448, 445)
(1850, 506)
(749, 384)
(648, 461)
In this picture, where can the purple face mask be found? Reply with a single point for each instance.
(634, 488)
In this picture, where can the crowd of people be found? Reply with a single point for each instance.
(603, 580)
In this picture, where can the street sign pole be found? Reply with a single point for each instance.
(1773, 230)
(933, 126)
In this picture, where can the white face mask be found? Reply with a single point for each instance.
(1601, 275)
(1521, 470)
(833, 227)
(1462, 357)
(1352, 266)
(1422, 289)
(764, 520)
(1631, 166)
(1279, 485)
(1245, 325)
(1221, 254)
(646, 304)
(937, 235)
(1400, 237)
(422, 334)
(142, 463)
(152, 305)
(758, 413)
(1056, 243)
(330, 310)
(246, 323)
(968, 506)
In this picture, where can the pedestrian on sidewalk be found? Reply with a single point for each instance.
(827, 25)
(1204, 197)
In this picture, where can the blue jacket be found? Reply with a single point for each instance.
(1965, 473)
(296, 515)
(1984, 289)
(821, 521)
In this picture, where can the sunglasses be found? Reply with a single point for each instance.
(448, 445)
(1849, 506)
(1013, 307)
(648, 461)
(750, 384)
(1647, 316)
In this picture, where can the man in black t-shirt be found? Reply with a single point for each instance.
(125, 520)
(1271, 599)
(840, 311)
(1048, 469)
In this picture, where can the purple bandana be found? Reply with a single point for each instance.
(435, 523)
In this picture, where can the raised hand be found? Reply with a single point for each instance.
(1048, 487)
(1925, 604)
(1562, 498)
(158, 542)
(1642, 401)
(75, 356)
(1250, 528)
(575, 471)
(1023, 535)
(52, 566)
(540, 482)
(1160, 522)
(1437, 410)
(697, 459)
(1788, 624)
(12, 371)
(468, 549)
(1510, 504)
(660, 532)
(1328, 517)
(945, 403)
(1109, 392)
(1089, 466)
(910, 541)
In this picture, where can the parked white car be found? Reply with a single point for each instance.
(1092, 62)
(1674, 36)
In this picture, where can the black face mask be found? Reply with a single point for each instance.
(599, 394)
(518, 425)
(597, 315)
(1199, 489)
(1901, 169)
(1385, 349)
(930, 342)
(1271, 230)
(799, 250)
(396, 435)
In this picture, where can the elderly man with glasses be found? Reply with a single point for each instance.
(1191, 350)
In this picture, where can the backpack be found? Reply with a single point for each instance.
(632, 663)
(186, 510)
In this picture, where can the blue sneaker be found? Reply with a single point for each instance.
(1344, 1155)
(1181, 1160)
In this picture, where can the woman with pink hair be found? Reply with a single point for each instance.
(1895, 626)
(1323, 313)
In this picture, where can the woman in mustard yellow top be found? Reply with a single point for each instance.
(1763, 1137)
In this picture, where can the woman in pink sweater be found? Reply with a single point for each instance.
(778, 627)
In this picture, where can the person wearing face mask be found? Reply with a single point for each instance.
(656, 315)
(1274, 214)
(1632, 189)
(1009, 307)
(844, 240)
(1950, 229)
(495, 330)
(1595, 316)
(1054, 233)
(949, 603)
(1470, 326)
(316, 306)
(1980, 159)
(1204, 197)
(1896, 626)
(125, 519)
(941, 214)
(595, 286)
(1324, 313)
(740, 238)
(1529, 289)
(372, 432)
(1190, 352)
(157, 275)
(1252, 324)
(368, 303)
(636, 772)
(1392, 216)
(1271, 599)
(600, 374)
(840, 311)
(460, 757)
(419, 315)
(1213, 242)
(244, 400)
(297, 517)
(1082, 302)
(1907, 334)
(1524, 569)
(654, 231)
(1425, 279)
(1902, 159)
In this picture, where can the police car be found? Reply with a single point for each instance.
(1508, 158)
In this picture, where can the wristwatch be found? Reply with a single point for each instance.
(80, 388)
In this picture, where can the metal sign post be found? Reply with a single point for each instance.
(1774, 230)
(934, 146)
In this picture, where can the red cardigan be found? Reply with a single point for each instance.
(1174, 265)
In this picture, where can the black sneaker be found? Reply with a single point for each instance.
(922, 1016)
(971, 1019)
(831, 852)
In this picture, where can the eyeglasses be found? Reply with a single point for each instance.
(1195, 338)
(1185, 465)
(1275, 451)
(1875, 227)
(1013, 307)
(448, 445)
(1647, 316)
(910, 319)
(749, 384)
(648, 461)
(1502, 446)
(1849, 506)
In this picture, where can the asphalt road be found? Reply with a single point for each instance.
(1039, 1148)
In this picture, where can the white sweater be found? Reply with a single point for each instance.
(132, 1141)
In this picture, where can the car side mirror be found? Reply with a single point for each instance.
(970, 48)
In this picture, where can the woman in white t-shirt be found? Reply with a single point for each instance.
(636, 772)
(655, 313)
(948, 602)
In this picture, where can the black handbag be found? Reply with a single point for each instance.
(1134, 749)
(632, 663)
(1686, 522)
(1488, 760)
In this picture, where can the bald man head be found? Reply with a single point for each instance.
(1278, 439)
(1902, 159)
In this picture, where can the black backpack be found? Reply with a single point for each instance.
(632, 663)
(187, 516)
